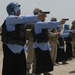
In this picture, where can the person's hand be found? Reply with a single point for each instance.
(62, 22)
(58, 33)
(41, 16)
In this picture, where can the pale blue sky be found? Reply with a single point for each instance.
(58, 8)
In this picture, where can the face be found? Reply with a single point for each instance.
(43, 18)
(18, 13)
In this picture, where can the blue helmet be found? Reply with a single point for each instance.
(11, 6)
(66, 27)
(58, 28)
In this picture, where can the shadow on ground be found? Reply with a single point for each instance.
(72, 72)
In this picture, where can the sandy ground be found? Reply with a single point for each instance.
(68, 69)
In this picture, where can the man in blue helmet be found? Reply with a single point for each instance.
(68, 42)
(14, 39)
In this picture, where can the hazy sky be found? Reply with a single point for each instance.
(58, 8)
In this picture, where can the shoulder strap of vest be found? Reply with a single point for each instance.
(3, 26)
(3, 30)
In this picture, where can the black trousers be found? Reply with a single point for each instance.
(43, 61)
(69, 51)
(61, 55)
(13, 64)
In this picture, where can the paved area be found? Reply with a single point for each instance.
(68, 69)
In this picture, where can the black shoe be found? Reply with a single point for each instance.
(37, 74)
(47, 73)
(31, 74)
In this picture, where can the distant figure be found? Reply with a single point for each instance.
(73, 37)
(61, 55)
(68, 42)
(53, 37)
(30, 51)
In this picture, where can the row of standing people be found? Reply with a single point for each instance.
(62, 45)
(14, 40)
(60, 40)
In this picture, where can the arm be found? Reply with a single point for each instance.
(52, 34)
(21, 20)
(24, 19)
(64, 35)
(46, 25)
(49, 25)
(67, 31)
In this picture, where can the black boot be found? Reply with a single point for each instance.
(47, 73)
